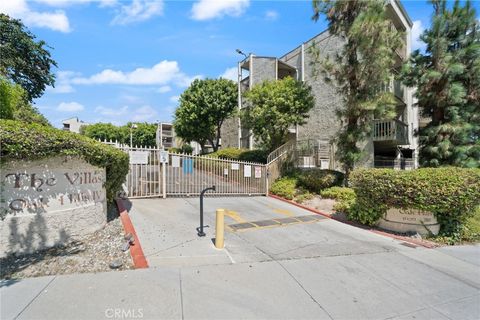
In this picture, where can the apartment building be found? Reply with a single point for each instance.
(73, 124)
(392, 143)
(165, 136)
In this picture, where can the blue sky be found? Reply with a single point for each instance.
(122, 61)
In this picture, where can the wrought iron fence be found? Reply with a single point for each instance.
(158, 173)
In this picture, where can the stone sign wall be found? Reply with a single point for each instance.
(47, 202)
(409, 220)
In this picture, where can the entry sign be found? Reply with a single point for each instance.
(139, 157)
(258, 172)
(163, 156)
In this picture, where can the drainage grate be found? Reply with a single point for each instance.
(310, 218)
(275, 222)
(266, 223)
(241, 226)
(287, 220)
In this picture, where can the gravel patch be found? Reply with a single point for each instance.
(92, 253)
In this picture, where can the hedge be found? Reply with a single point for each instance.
(284, 187)
(258, 156)
(451, 194)
(22, 141)
(315, 180)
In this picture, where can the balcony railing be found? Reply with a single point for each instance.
(393, 131)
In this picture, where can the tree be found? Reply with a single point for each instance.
(273, 107)
(103, 131)
(13, 104)
(447, 77)
(203, 108)
(24, 61)
(360, 69)
(143, 135)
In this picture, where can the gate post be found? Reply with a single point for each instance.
(164, 180)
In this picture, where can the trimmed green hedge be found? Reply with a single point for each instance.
(258, 156)
(315, 180)
(452, 194)
(284, 187)
(24, 141)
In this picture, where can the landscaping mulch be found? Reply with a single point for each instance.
(96, 252)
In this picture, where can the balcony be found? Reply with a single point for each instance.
(391, 131)
(245, 84)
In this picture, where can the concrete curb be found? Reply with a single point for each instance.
(138, 257)
(424, 243)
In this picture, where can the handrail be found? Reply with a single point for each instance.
(280, 151)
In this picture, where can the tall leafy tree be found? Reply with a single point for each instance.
(24, 60)
(203, 108)
(13, 104)
(360, 69)
(144, 134)
(447, 77)
(273, 107)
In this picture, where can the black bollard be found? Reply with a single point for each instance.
(200, 229)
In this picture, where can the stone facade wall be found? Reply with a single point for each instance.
(322, 123)
(263, 68)
(229, 133)
(49, 202)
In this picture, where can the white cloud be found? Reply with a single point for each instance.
(70, 107)
(164, 89)
(162, 73)
(138, 10)
(62, 82)
(231, 74)
(417, 30)
(174, 99)
(271, 15)
(210, 9)
(19, 9)
(111, 112)
(145, 113)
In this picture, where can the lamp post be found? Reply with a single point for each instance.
(133, 126)
(240, 96)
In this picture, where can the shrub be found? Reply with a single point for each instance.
(185, 148)
(33, 141)
(284, 187)
(345, 197)
(258, 156)
(451, 194)
(315, 180)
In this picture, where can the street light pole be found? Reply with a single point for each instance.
(133, 126)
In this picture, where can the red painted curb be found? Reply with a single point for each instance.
(424, 243)
(139, 260)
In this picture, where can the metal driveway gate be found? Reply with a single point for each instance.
(158, 173)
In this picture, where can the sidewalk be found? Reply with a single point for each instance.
(386, 285)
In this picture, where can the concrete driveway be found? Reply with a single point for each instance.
(341, 271)
(311, 269)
